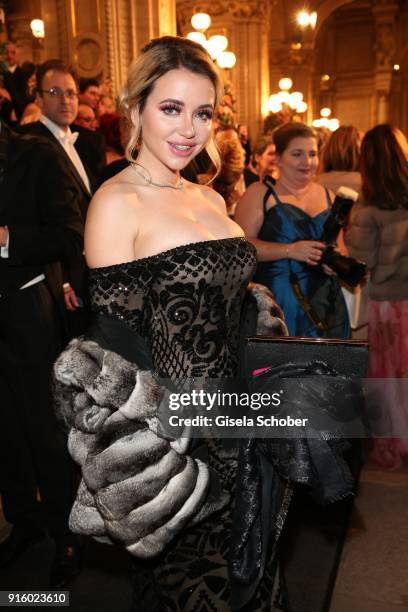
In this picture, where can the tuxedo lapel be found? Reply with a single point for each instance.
(42, 130)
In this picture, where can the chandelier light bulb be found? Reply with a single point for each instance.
(226, 59)
(219, 42)
(303, 19)
(333, 124)
(313, 19)
(285, 84)
(37, 28)
(301, 107)
(396, 67)
(215, 45)
(201, 21)
(197, 37)
(274, 105)
(295, 98)
(284, 97)
(325, 112)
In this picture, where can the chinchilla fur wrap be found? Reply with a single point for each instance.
(137, 488)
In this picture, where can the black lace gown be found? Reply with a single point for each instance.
(186, 303)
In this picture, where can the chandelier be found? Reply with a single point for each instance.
(216, 45)
(285, 99)
(325, 121)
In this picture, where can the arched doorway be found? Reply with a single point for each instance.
(344, 66)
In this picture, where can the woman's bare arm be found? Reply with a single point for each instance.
(250, 216)
(111, 227)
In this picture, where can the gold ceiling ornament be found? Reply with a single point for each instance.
(242, 9)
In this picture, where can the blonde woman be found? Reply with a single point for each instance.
(168, 273)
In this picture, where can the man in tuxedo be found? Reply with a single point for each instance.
(40, 224)
(15, 80)
(57, 96)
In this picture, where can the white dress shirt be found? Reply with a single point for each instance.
(67, 140)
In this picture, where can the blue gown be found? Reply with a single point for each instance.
(287, 223)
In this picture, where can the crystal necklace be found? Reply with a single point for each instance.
(149, 181)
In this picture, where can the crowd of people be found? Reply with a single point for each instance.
(137, 229)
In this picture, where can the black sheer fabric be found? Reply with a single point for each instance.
(186, 303)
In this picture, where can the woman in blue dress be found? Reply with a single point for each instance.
(284, 221)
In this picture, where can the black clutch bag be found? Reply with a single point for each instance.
(348, 357)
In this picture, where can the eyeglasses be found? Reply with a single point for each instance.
(57, 92)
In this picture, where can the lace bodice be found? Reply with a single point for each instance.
(185, 302)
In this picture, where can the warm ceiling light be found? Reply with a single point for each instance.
(37, 28)
(285, 83)
(197, 37)
(226, 59)
(396, 67)
(219, 42)
(325, 112)
(325, 77)
(215, 45)
(296, 97)
(274, 105)
(303, 19)
(313, 19)
(333, 124)
(201, 21)
(284, 97)
(302, 107)
(296, 46)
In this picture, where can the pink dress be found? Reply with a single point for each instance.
(388, 358)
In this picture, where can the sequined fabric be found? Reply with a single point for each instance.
(185, 302)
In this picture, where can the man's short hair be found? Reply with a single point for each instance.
(85, 83)
(81, 103)
(57, 65)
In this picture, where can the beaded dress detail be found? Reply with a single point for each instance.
(186, 304)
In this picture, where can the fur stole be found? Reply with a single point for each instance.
(137, 488)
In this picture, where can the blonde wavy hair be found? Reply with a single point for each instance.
(157, 58)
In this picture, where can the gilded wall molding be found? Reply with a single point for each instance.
(110, 62)
(238, 9)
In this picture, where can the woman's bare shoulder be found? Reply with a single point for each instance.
(112, 225)
(206, 192)
(116, 194)
(316, 189)
(253, 196)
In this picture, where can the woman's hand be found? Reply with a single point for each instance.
(309, 251)
(70, 299)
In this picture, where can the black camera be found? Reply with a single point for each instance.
(348, 269)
